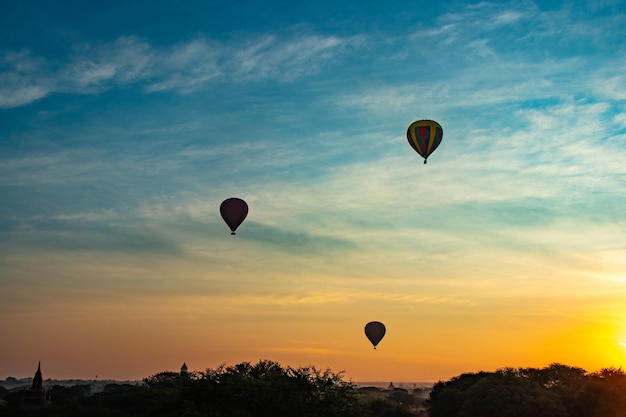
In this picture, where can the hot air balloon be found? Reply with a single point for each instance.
(424, 136)
(375, 331)
(234, 211)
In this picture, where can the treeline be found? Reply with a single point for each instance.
(268, 389)
(243, 390)
(554, 391)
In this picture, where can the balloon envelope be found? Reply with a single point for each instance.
(234, 211)
(375, 330)
(424, 136)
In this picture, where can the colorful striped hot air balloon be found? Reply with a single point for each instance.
(424, 136)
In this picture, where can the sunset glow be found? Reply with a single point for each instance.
(122, 130)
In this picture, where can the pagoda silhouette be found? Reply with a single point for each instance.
(36, 395)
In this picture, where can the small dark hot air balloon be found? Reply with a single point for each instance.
(234, 211)
(375, 331)
(424, 136)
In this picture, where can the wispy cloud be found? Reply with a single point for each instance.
(90, 68)
(543, 33)
(61, 167)
(20, 81)
(304, 351)
(339, 297)
(273, 57)
(86, 216)
(297, 241)
(182, 68)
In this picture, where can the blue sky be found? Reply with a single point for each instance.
(123, 127)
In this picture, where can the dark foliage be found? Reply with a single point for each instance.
(262, 389)
(387, 408)
(268, 389)
(554, 391)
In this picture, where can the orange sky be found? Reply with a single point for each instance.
(469, 325)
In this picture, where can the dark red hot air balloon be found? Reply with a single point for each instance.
(234, 211)
(375, 331)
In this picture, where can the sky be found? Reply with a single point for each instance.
(124, 126)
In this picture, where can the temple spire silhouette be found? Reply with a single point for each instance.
(37, 380)
(36, 395)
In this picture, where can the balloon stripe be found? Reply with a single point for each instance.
(424, 140)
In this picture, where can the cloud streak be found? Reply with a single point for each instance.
(184, 68)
